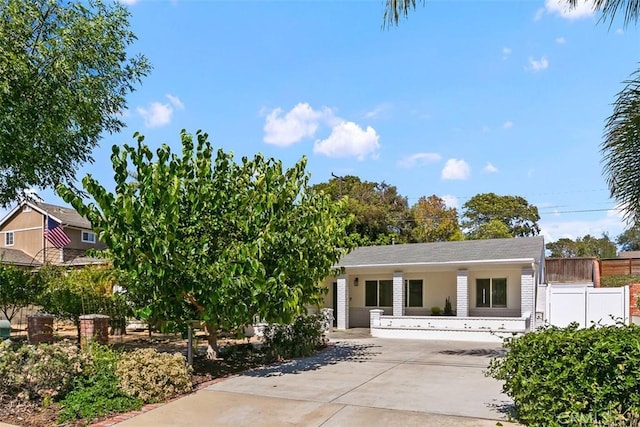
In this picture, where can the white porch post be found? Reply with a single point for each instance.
(398, 293)
(462, 293)
(527, 291)
(342, 314)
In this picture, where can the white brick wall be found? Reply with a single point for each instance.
(527, 291)
(342, 315)
(462, 293)
(398, 294)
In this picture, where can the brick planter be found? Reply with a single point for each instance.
(94, 327)
(634, 293)
(40, 328)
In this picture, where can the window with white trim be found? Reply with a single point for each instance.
(413, 293)
(8, 238)
(378, 293)
(88, 237)
(491, 293)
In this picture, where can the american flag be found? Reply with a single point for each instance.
(54, 233)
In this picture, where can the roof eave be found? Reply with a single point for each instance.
(445, 263)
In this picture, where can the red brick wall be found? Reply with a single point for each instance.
(634, 293)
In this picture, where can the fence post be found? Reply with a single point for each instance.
(40, 328)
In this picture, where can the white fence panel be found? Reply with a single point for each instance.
(586, 305)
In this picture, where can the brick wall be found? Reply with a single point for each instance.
(634, 293)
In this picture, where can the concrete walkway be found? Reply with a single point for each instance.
(366, 381)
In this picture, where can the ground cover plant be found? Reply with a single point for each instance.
(570, 376)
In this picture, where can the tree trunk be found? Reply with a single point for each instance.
(212, 340)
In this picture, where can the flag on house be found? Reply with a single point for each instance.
(54, 233)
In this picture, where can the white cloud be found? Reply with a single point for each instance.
(582, 9)
(489, 168)
(456, 169)
(619, 31)
(539, 65)
(555, 229)
(299, 123)
(418, 159)
(507, 125)
(506, 51)
(450, 200)
(129, 2)
(560, 40)
(381, 110)
(347, 139)
(539, 14)
(158, 114)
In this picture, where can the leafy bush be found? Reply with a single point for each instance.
(153, 377)
(39, 372)
(435, 310)
(619, 280)
(571, 376)
(448, 311)
(300, 338)
(97, 393)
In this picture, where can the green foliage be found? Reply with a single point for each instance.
(629, 240)
(380, 214)
(587, 246)
(448, 311)
(435, 310)
(96, 392)
(302, 337)
(18, 289)
(151, 377)
(484, 212)
(619, 280)
(206, 238)
(568, 376)
(65, 76)
(39, 372)
(432, 221)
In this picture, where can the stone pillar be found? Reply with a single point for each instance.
(327, 315)
(374, 317)
(398, 294)
(462, 293)
(527, 291)
(94, 327)
(40, 328)
(342, 315)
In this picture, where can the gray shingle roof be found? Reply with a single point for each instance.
(68, 216)
(17, 257)
(526, 248)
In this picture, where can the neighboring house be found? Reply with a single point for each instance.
(35, 233)
(491, 285)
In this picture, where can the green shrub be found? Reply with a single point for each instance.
(435, 310)
(571, 376)
(448, 311)
(39, 372)
(97, 393)
(153, 377)
(300, 338)
(619, 280)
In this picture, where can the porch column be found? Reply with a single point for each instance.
(398, 293)
(342, 314)
(462, 293)
(527, 291)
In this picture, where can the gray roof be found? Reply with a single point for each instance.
(492, 250)
(17, 257)
(68, 216)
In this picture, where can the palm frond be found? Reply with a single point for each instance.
(621, 149)
(610, 8)
(395, 9)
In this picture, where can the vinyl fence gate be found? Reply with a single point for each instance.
(585, 305)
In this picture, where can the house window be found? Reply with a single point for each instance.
(491, 292)
(8, 238)
(378, 293)
(88, 237)
(413, 293)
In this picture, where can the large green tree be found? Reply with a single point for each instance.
(587, 246)
(483, 211)
(207, 238)
(18, 289)
(433, 221)
(380, 213)
(629, 240)
(65, 71)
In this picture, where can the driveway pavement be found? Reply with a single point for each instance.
(367, 381)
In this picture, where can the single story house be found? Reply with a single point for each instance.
(490, 284)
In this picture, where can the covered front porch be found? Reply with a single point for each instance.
(489, 302)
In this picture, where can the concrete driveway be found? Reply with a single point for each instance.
(356, 382)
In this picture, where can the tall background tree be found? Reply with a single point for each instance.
(380, 213)
(433, 221)
(206, 238)
(484, 213)
(629, 240)
(65, 73)
(587, 246)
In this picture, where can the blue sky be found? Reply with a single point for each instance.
(462, 98)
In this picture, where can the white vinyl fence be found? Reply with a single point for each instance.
(587, 305)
